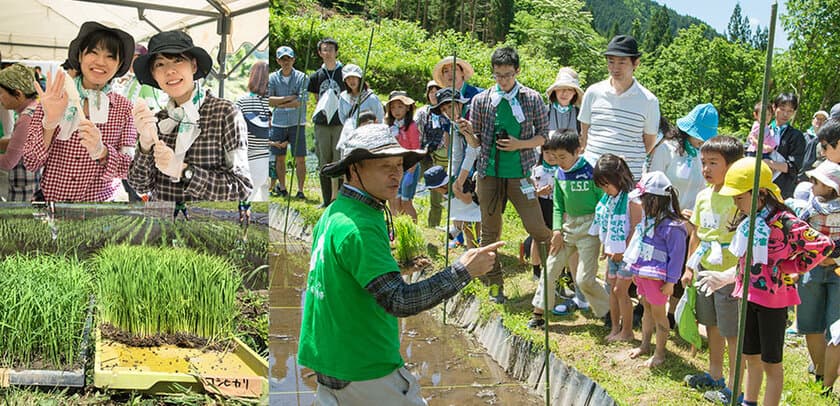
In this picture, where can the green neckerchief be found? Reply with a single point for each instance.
(776, 128)
(95, 96)
(689, 149)
(549, 168)
(738, 246)
(610, 222)
(562, 109)
(98, 106)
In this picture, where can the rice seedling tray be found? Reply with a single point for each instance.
(74, 378)
(167, 369)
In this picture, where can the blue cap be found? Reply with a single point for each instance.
(701, 122)
(435, 177)
(285, 51)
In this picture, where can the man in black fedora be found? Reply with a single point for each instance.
(619, 115)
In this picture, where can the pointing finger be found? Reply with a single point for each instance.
(492, 247)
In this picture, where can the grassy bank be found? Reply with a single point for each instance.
(579, 339)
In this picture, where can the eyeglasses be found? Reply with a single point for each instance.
(504, 76)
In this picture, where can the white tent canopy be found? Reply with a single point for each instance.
(42, 29)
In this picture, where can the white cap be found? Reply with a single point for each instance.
(351, 70)
(655, 183)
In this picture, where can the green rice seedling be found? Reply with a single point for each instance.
(409, 241)
(43, 306)
(150, 290)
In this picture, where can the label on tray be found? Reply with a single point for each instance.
(243, 387)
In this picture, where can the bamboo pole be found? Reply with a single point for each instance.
(297, 140)
(745, 281)
(452, 119)
(546, 312)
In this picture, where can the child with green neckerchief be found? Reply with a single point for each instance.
(564, 97)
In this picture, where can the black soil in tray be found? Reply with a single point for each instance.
(181, 340)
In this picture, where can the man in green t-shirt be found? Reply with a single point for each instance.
(354, 292)
(511, 121)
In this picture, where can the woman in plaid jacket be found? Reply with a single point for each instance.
(197, 147)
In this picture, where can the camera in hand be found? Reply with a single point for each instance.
(502, 135)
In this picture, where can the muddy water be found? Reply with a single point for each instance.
(453, 369)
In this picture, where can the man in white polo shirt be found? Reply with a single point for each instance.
(618, 115)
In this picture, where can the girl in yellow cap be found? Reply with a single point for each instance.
(783, 246)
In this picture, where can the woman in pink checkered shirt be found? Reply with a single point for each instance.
(84, 153)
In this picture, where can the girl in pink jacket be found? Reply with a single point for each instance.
(783, 247)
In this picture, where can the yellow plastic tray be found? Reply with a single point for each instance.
(163, 369)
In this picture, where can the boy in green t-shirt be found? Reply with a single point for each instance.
(575, 198)
(717, 310)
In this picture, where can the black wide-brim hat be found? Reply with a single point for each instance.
(371, 141)
(171, 42)
(90, 27)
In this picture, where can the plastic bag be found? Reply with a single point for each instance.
(686, 319)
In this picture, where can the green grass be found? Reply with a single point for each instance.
(43, 306)
(256, 207)
(62, 397)
(579, 339)
(409, 239)
(148, 290)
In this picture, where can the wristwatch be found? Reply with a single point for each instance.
(188, 173)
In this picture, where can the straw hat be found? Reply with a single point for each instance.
(401, 96)
(566, 78)
(437, 72)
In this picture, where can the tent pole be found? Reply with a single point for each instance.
(239, 62)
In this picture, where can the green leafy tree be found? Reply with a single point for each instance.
(693, 70)
(738, 29)
(568, 41)
(811, 67)
(636, 30)
(659, 31)
(614, 30)
(605, 13)
(759, 39)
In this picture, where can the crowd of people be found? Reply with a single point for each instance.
(121, 116)
(595, 174)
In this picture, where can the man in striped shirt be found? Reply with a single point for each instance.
(618, 115)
